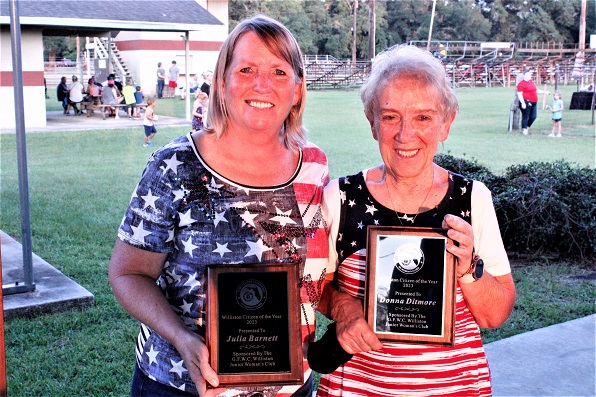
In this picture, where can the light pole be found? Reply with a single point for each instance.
(432, 20)
(354, 34)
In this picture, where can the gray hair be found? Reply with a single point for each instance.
(281, 42)
(406, 61)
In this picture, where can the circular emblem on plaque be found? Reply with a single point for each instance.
(408, 258)
(251, 294)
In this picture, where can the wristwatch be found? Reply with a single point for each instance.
(474, 272)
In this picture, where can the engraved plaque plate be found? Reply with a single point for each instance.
(410, 285)
(253, 327)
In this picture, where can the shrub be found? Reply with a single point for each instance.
(467, 168)
(542, 208)
(547, 208)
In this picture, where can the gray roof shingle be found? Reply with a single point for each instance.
(147, 15)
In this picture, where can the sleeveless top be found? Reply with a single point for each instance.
(404, 369)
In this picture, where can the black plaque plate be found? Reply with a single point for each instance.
(253, 327)
(410, 285)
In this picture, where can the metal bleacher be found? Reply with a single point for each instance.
(470, 64)
(325, 71)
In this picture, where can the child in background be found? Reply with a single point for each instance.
(139, 101)
(557, 114)
(129, 98)
(149, 122)
(199, 111)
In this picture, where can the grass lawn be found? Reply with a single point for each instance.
(80, 183)
(337, 124)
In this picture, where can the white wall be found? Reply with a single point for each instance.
(33, 96)
(143, 63)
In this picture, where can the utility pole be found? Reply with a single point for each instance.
(582, 26)
(354, 34)
(432, 20)
(372, 21)
(582, 40)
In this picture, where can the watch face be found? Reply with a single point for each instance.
(479, 269)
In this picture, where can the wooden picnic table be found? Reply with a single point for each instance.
(96, 104)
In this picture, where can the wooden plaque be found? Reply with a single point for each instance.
(253, 324)
(410, 285)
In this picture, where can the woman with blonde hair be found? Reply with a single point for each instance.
(245, 190)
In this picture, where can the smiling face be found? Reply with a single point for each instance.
(260, 88)
(409, 122)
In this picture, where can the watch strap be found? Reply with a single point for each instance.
(474, 272)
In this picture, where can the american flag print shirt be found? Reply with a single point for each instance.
(185, 209)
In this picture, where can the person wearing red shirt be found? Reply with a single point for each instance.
(527, 92)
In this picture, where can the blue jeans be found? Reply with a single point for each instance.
(142, 386)
(160, 85)
(529, 114)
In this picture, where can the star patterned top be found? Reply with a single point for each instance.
(361, 210)
(185, 209)
(401, 369)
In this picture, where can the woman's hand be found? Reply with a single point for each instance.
(193, 351)
(132, 274)
(353, 332)
(491, 299)
(461, 233)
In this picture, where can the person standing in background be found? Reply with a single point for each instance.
(557, 113)
(206, 86)
(173, 74)
(161, 79)
(139, 101)
(527, 92)
(149, 123)
(129, 98)
(199, 111)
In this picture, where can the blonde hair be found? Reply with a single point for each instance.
(280, 41)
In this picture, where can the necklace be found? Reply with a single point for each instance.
(405, 216)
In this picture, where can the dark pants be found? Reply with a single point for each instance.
(160, 85)
(142, 386)
(529, 114)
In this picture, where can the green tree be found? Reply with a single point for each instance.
(324, 27)
(382, 37)
(537, 20)
(299, 16)
(336, 37)
(460, 20)
(408, 20)
(56, 48)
